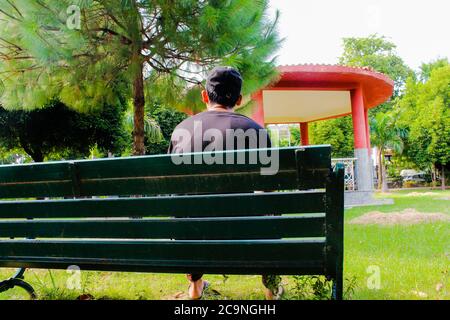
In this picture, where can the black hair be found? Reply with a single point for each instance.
(223, 86)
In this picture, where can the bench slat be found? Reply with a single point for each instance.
(35, 172)
(279, 256)
(247, 204)
(160, 175)
(202, 183)
(183, 229)
(303, 267)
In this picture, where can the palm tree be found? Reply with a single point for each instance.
(152, 129)
(386, 134)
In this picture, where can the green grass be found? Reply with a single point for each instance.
(413, 262)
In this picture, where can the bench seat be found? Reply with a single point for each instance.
(152, 214)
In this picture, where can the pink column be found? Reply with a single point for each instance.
(366, 118)
(304, 134)
(359, 118)
(363, 170)
(258, 114)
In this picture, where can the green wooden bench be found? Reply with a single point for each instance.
(193, 217)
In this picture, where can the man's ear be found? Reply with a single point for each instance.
(205, 97)
(239, 100)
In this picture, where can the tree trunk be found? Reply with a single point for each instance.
(34, 152)
(380, 161)
(37, 157)
(433, 176)
(139, 110)
(443, 177)
(384, 185)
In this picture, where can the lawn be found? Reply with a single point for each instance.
(381, 262)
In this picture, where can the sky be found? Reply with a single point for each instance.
(313, 29)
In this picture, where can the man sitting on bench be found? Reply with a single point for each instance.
(220, 128)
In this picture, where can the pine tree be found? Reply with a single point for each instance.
(74, 50)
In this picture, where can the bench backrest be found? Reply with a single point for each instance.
(219, 216)
(161, 174)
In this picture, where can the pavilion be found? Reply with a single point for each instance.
(307, 93)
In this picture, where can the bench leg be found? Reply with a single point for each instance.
(17, 281)
(337, 289)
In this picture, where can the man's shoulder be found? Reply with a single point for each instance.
(189, 120)
(247, 121)
(236, 120)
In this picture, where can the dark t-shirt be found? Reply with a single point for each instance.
(215, 131)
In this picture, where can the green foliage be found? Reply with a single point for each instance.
(385, 132)
(167, 119)
(295, 135)
(15, 155)
(286, 140)
(350, 286)
(337, 132)
(55, 131)
(425, 110)
(152, 129)
(378, 53)
(427, 68)
(400, 162)
(311, 287)
(169, 43)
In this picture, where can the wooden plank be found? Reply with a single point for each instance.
(334, 254)
(39, 189)
(163, 165)
(160, 175)
(170, 256)
(311, 225)
(303, 267)
(308, 172)
(35, 180)
(196, 184)
(34, 172)
(248, 204)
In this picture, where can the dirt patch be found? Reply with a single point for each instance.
(405, 217)
(420, 194)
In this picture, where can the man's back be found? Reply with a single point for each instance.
(218, 130)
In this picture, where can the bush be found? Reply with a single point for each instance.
(167, 119)
(411, 184)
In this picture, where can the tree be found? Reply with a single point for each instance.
(379, 54)
(15, 155)
(386, 134)
(425, 110)
(152, 129)
(73, 50)
(167, 119)
(337, 132)
(427, 68)
(55, 131)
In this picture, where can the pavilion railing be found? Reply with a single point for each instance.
(349, 173)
